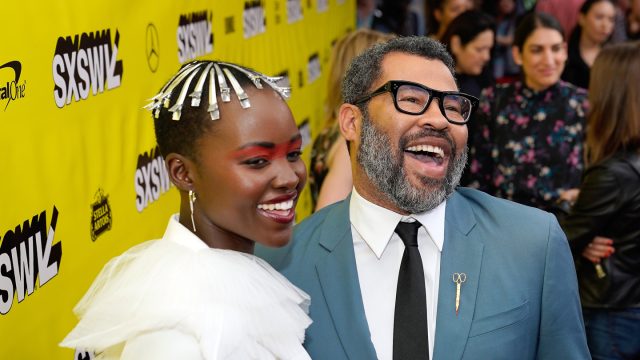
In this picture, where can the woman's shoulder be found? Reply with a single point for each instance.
(571, 89)
(209, 294)
(500, 89)
(622, 165)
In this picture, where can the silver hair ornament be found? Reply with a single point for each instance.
(213, 71)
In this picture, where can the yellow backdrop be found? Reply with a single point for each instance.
(82, 179)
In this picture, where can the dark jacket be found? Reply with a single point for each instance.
(609, 206)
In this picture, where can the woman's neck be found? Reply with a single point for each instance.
(589, 49)
(212, 235)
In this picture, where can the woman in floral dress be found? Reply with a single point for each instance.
(527, 143)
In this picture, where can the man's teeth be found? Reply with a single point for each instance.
(427, 148)
(285, 205)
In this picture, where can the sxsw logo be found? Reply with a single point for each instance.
(85, 64)
(151, 179)
(194, 35)
(28, 253)
(253, 18)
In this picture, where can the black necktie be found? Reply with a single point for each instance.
(410, 332)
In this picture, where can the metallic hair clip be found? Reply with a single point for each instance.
(156, 101)
(272, 81)
(166, 96)
(225, 92)
(213, 99)
(203, 70)
(197, 92)
(255, 78)
(176, 109)
(242, 96)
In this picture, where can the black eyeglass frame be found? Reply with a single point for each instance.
(392, 86)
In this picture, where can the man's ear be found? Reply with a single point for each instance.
(180, 171)
(348, 117)
(455, 45)
(517, 55)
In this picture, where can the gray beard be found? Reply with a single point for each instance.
(383, 164)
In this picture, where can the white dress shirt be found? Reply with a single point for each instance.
(378, 251)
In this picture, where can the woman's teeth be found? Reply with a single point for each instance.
(285, 205)
(427, 148)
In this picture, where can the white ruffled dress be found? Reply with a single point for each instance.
(206, 303)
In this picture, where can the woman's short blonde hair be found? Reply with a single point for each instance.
(347, 48)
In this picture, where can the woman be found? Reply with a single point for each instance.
(396, 17)
(330, 171)
(596, 22)
(469, 38)
(506, 13)
(442, 12)
(232, 149)
(609, 206)
(528, 147)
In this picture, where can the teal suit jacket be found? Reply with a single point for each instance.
(520, 300)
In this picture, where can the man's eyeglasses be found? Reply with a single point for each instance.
(414, 99)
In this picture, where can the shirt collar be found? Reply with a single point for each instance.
(530, 93)
(179, 234)
(376, 224)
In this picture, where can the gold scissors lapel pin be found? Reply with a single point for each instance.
(458, 278)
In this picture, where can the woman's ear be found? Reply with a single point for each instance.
(437, 14)
(581, 20)
(348, 117)
(517, 55)
(180, 171)
(455, 45)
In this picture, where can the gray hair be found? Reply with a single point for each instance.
(366, 68)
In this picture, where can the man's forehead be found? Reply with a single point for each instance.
(430, 72)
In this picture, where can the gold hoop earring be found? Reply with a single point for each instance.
(192, 199)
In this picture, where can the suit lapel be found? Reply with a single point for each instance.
(338, 278)
(461, 253)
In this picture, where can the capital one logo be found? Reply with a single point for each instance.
(12, 89)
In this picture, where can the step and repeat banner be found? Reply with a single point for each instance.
(82, 179)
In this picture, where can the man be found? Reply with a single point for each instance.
(495, 280)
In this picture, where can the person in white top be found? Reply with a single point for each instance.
(409, 266)
(232, 149)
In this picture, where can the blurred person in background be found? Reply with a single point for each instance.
(609, 206)
(528, 143)
(441, 12)
(566, 11)
(596, 22)
(633, 20)
(364, 13)
(469, 38)
(330, 170)
(506, 13)
(396, 17)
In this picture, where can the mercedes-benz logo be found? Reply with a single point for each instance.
(153, 47)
